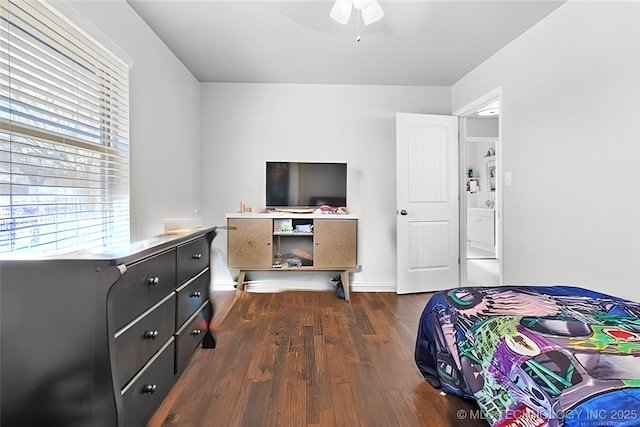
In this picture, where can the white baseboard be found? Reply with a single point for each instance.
(277, 281)
(373, 287)
(223, 285)
(279, 286)
(274, 286)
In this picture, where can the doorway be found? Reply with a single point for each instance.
(480, 192)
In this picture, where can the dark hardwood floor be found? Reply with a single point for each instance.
(311, 359)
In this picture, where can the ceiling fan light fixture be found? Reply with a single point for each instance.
(341, 11)
(370, 9)
(363, 4)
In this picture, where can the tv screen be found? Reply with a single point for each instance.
(305, 184)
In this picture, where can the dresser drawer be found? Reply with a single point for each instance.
(193, 257)
(189, 337)
(136, 344)
(191, 296)
(141, 286)
(143, 396)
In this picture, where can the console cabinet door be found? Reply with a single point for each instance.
(335, 243)
(249, 244)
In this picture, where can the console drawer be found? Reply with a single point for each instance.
(143, 396)
(141, 286)
(192, 258)
(189, 337)
(191, 297)
(135, 345)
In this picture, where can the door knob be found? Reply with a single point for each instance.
(403, 212)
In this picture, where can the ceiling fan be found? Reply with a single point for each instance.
(370, 11)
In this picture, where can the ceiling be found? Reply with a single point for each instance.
(419, 42)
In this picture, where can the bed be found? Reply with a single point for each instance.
(535, 355)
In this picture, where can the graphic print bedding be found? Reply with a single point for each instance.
(535, 355)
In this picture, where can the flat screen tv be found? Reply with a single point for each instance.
(306, 184)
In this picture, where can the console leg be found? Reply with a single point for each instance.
(240, 283)
(344, 276)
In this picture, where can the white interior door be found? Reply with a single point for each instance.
(427, 202)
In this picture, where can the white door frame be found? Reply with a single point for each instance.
(463, 113)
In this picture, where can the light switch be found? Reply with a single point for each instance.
(507, 179)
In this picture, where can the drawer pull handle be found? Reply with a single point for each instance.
(149, 388)
(196, 332)
(196, 256)
(196, 294)
(153, 281)
(150, 335)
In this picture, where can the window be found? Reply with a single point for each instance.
(64, 135)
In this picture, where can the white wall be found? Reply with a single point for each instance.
(570, 108)
(244, 125)
(164, 115)
(485, 127)
(570, 134)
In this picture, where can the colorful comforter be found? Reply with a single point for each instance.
(535, 355)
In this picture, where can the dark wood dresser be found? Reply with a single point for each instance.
(99, 339)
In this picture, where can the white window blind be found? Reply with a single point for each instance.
(64, 135)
